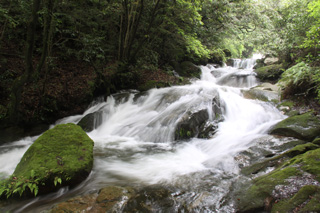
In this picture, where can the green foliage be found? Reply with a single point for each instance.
(302, 76)
(313, 34)
(19, 185)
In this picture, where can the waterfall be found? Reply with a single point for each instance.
(136, 144)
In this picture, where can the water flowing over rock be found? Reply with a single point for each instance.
(137, 146)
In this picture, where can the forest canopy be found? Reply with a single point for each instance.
(123, 37)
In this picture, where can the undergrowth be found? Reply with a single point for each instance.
(301, 79)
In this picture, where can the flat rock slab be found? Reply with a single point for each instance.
(305, 127)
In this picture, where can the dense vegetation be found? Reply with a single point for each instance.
(45, 44)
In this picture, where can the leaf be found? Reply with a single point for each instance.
(32, 173)
(36, 191)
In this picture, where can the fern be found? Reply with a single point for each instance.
(302, 75)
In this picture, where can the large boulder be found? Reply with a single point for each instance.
(304, 127)
(62, 156)
(198, 124)
(263, 92)
(269, 73)
(293, 186)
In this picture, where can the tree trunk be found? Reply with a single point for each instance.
(26, 77)
(129, 23)
(30, 39)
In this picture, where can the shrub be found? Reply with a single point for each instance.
(301, 78)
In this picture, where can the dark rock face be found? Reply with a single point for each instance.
(198, 124)
(269, 73)
(62, 156)
(304, 127)
(91, 121)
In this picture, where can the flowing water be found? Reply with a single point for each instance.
(135, 142)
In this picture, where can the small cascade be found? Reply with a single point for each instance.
(136, 144)
(247, 63)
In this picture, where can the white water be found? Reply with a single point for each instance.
(135, 142)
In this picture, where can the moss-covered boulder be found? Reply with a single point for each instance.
(279, 159)
(269, 73)
(285, 184)
(304, 127)
(62, 156)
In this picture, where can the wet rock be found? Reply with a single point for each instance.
(305, 200)
(286, 182)
(109, 199)
(189, 125)
(269, 73)
(304, 127)
(279, 159)
(91, 121)
(62, 156)
(151, 199)
(263, 92)
(197, 124)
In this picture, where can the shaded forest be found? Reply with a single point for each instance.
(56, 56)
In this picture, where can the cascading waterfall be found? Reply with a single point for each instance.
(135, 143)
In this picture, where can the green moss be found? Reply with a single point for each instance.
(304, 127)
(269, 73)
(278, 160)
(303, 195)
(309, 161)
(287, 103)
(60, 156)
(153, 84)
(316, 141)
(254, 198)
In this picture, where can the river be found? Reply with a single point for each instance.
(136, 142)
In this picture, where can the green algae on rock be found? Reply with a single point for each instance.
(62, 156)
(304, 127)
(284, 183)
(108, 199)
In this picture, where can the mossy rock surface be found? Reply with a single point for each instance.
(284, 184)
(108, 199)
(269, 73)
(298, 203)
(153, 84)
(278, 160)
(62, 156)
(304, 127)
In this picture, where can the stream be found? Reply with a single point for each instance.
(136, 142)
